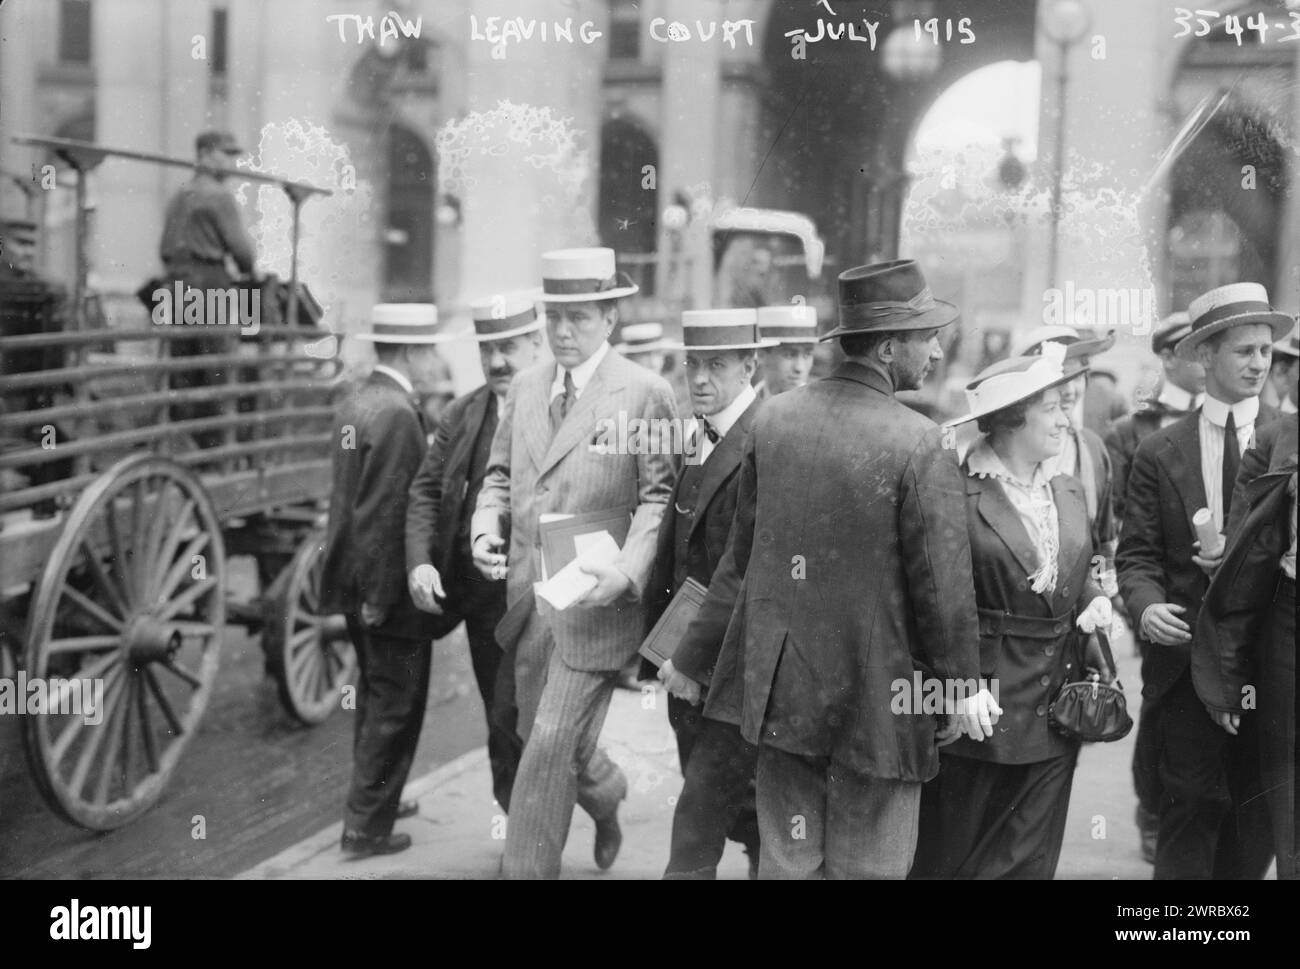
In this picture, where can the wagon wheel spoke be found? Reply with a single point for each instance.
(120, 563)
(183, 673)
(108, 586)
(78, 644)
(92, 608)
(153, 540)
(167, 554)
(146, 730)
(181, 567)
(64, 740)
(112, 728)
(168, 713)
(91, 750)
(139, 520)
(187, 598)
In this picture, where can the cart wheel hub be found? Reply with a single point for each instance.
(151, 641)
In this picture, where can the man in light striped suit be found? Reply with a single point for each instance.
(547, 459)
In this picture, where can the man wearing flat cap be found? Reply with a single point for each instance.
(440, 567)
(1182, 386)
(850, 536)
(379, 442)
(1212, 820)
(548, 460)
(789, 363)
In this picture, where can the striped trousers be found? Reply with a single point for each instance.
(561, 766)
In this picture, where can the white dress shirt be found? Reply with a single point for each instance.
(399, 377)
(1035, 506)
(1214, 415)
(722, 422)
(581, 374)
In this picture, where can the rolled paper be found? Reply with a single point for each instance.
(1211, 540)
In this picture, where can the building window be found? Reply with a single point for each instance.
(220, 21)
(74, 31)
(624, 31)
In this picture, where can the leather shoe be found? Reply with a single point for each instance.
(407, 809)
(609, 838)
(356, 845)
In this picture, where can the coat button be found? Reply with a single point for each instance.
(1023, 585)
(1058, 628)
(1049, 650)
(1040, 710)
(1065, 592)
(1044, 679)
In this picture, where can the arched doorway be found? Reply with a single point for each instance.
(628, 214)
(408, 226)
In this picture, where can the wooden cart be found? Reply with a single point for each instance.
(116, 528)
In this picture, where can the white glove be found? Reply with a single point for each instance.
(1098, 615)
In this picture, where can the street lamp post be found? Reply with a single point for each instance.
(1065, 22)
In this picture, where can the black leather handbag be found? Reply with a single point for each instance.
(1090, 710)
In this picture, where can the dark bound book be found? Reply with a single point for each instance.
(558, 547)
(663, 640)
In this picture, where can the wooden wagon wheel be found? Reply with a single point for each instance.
(133, 599)
(311, 654)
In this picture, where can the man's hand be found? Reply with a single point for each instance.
(1209, 564)
(1160, 624)
(1098, 615)
(489, 559)
(976, 715)
(610, 584)
(373, 616)
(679, 684)
(1228, 721)
(425, 584)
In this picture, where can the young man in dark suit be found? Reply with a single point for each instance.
(1243, 653)
(379, 441)
(441, 575)
(1212, 823)
(850, 537)
(716, 799)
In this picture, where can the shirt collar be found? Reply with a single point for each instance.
(1243, 411)
(1175, 398)
(725, 419)
(983, 462)
(582, 373)
(394, 375)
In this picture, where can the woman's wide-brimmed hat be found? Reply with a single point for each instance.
(788, 323)
(727, 329)
(504, 315)
(1236, 304)
(1077, 344)
(642, 338)
(582, 276)
(888, 296)
(405, 323)
(1015, 379)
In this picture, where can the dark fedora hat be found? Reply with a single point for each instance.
(888, 296)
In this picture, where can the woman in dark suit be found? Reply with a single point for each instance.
(998, 808)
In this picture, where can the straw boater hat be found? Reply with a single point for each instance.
(1236, 304)
(1015, 379)
(1076, 344)
(1172, 328)
(642, 338)
(504, 315)
(404, 323)
(581, 276)
(794, 323)
(730, 329)
(888, 296)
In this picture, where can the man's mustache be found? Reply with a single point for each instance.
(506, 372)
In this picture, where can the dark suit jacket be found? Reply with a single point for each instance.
(1016, 653)
(697, 552)
(436, 514)
(1225, 653)
(364, 543)
(1122, 442)
(848, 567)
(1154, 559)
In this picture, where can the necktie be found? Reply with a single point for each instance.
(1231, 460)
(562, 403)
(710, 431)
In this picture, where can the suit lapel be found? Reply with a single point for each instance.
(471, 427)
(578, 425)
(1182, 456)
(1000, 515)
(1072, 529)
(724, 460)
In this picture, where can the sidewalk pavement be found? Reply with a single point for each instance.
(460, 832)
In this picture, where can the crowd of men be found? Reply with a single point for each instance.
(825, 521)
